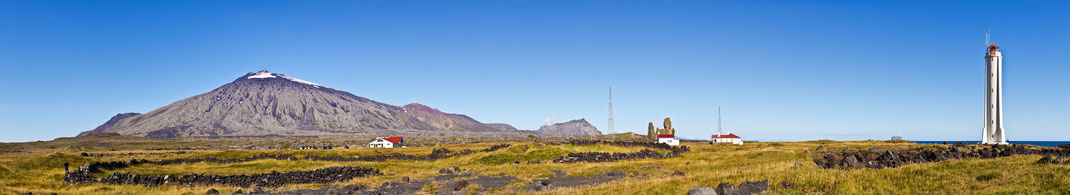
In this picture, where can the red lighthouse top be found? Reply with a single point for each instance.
(993, 46)
(993, 49)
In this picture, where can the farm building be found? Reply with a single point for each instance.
(668, 139)
(387, 142)
(726, 139)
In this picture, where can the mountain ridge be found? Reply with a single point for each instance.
(264, 103)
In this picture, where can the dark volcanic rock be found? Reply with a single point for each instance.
(745, 188)
(725, 188)
(273, 179)
(1044, 160)
(609, 157)
(677, 173)
(326, 175)
(753, 187)
(458, 185)
(851, 161)
(868, 159)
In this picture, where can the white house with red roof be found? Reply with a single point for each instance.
(668, 139)
(722, 138)
(726, 139)
(387, 142)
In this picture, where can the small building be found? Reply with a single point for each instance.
(896, 138)
(726, 139)
(669, 139)
(387, 142)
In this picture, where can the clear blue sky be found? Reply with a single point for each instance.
(781, 70)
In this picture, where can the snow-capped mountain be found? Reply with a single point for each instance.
(264, 103)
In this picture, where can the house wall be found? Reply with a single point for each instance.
(670, 141)
(380, 144)
(729, 140)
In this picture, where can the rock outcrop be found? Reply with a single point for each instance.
(745, 188)
(578, 127)
(652, 133)
(701, 190)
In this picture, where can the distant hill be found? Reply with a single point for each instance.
(264, 103)
(111, 122)
(445, 121)
(579, 127)
(501, 126)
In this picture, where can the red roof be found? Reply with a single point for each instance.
(393, 139)
(666, 136)
(724, 136)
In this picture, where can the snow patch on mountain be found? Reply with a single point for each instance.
(302, 81)
(261, 75)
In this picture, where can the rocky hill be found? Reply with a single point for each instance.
(501, 126)
(445, 121)
(111, 122)
(578, 127)
(264, 103)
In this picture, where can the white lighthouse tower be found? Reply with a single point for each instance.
(993, 130)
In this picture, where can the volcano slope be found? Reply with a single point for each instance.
(271, 104)
(37, 167)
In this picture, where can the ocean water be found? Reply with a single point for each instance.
(1035, 143)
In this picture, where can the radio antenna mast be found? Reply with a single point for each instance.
(611, 130)
(988, 37)
(718, 121)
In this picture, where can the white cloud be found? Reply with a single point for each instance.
(549, 120)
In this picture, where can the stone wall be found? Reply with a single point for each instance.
(325, 175)
(273, 179)
(575, 157)
(877, 158)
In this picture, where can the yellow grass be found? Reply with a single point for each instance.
(704, 165)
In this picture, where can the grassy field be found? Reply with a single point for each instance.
(39, 169)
